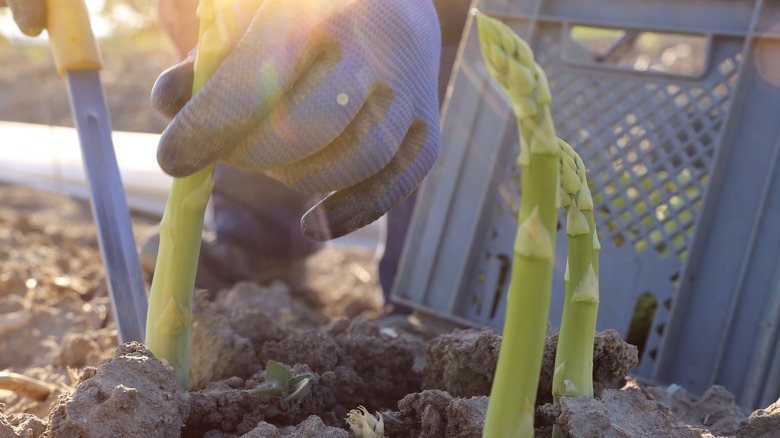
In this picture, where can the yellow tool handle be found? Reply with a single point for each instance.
(71, 37)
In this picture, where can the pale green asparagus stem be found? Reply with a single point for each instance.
(170, 301)
(573, 375)
(512, 398)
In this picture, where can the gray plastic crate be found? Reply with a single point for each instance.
(675, 109)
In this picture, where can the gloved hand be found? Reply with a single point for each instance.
(325, 96)
(30, 15)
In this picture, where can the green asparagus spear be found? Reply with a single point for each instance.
(573, 375)
(510, 62)
(170, 301)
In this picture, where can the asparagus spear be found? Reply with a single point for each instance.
(510, 62)
(170, 300)
(573, 375)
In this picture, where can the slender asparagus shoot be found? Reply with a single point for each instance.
(181, 227)
(573, 375)
(510, 62)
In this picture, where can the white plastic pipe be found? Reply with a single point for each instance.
(49, 158)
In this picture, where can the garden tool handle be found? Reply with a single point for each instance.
(76, 57)
(70, 35)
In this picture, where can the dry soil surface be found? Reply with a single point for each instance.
(64, 376)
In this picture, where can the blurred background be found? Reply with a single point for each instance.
(134, 49)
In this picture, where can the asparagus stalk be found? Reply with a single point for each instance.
(170, 301)
(573, 376)
(510, 62)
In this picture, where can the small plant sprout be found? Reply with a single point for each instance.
(365, 425)
(282, 383)
(510, 62)
(573, 375)
(170, 301)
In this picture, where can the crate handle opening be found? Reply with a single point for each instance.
(634, 50)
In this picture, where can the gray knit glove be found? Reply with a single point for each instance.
(30, 15)
(328, 96)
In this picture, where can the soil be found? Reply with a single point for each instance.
(63, 375)
(56, 330)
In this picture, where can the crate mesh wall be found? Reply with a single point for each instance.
(648, 142)
(648, 145)
(655, 143)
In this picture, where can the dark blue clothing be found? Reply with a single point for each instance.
(262, 217)
(260, 214)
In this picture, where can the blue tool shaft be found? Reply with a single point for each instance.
(109, 204)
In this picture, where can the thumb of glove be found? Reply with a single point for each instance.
(173, 88)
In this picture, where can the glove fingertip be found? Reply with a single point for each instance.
(174, 155)
(173, 89)
(169, 164)
(337, 215)
(352, 208)
(316, 225)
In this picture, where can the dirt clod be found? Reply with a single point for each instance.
(617, 415)
(221, 407)
(216, 351)
(466, 417)
(275, 299)
(311, 427)
(613, 358)
(463, 362)
(762, 423)
(363, 361)
(314, 348)
(79, 350)
(21, 426)
(716, 410)
(131, 395)
(436, 414)
(419, 415)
